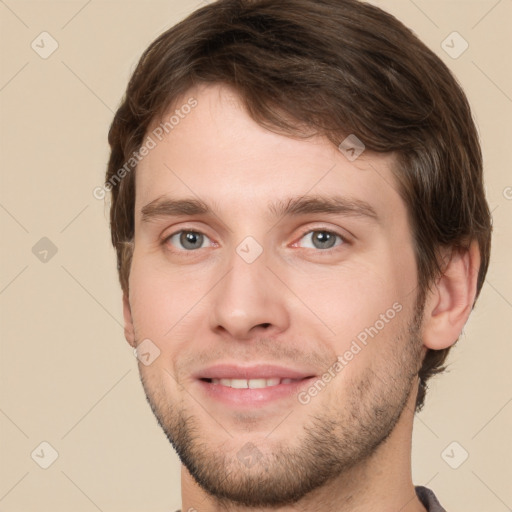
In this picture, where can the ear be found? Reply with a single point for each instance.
(451, 299)
(129, 332)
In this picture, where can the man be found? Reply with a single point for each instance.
(301, 232)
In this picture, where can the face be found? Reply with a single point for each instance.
(277, 280)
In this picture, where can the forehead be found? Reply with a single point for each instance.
(207, 146)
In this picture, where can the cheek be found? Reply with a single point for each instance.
(363, 301)
(161, 299)
(349, 299)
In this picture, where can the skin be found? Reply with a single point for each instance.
(296, 305)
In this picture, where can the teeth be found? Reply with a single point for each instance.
(234, 383)
(266, 382)
(261, 383)
(252, 383)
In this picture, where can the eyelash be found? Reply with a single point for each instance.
(344, 240)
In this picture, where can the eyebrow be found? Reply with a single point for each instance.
(339, 205)
(165, 206)
(168, 207)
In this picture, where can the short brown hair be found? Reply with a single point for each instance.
(338, 67)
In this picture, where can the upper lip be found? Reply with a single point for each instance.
(259, 371)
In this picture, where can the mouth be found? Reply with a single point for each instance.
(257, 386)
(258, 383)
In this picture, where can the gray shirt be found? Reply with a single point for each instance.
(427, 498)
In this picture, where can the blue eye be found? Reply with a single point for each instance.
(188, 240)
(322, 239)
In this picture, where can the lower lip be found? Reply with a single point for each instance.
(253, 397)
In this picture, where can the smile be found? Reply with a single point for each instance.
(251, 383)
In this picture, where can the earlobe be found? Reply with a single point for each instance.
(129, 332)
(450, 301)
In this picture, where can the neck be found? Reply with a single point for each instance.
(383, 482)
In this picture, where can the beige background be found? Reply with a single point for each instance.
(67, 375)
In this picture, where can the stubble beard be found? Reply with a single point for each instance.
(329, 444)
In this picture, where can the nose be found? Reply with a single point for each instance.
(249, 301)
